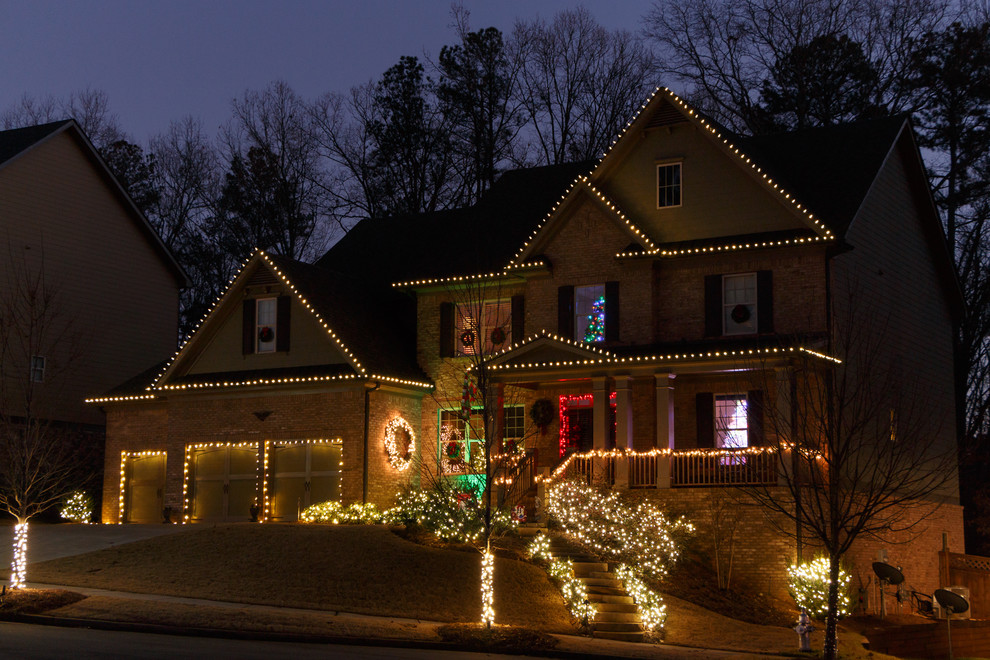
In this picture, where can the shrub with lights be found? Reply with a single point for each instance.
(78, 507)
(808, 586)
(451, 514)
(562, 572)
(649, 604)
(335, 513)
(640, 535)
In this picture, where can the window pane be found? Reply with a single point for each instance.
(497, 325)
(730, 421)
(265, 332)
(589, 313)
(515, 422)
(739, 304)
(669, 185)
(467, 330)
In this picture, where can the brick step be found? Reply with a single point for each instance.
(615, 583)
(617, 617)
(589, 568)
(606, 574)
(611, 599)
(608, 626)
(605, 591)
(629, 607)
(620, 636)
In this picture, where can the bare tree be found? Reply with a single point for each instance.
(42, 459)
(861, 449)
(89, 107)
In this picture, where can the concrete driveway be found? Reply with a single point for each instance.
(53, 541)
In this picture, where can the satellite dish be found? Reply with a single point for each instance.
(951, 601)
(887, 573)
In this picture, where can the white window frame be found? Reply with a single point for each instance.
(269, 346)
(679, 185)
(581, 315)
(38, 364)
(737, 436)
(729, 327)
(483, 330)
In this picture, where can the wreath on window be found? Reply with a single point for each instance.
(740, 313)
(542, 413)
(400, 443)
(266, 334)
(467, 337)
(498, 336)
(453, 450)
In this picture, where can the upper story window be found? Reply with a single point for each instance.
(486, 327)
(668, 185)
(589, 313)
(37, 369)
(739, 304)
(731, 421)
(265, 320)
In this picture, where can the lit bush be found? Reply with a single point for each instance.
(652, 609)
(562, 572)
(450, 514)
(78, 508)
(336, 513)
(808, 586)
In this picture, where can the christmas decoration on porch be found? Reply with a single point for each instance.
(596, 321)
(542, 412)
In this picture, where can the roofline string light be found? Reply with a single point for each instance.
(455, 279)
(640, 235)
(719, 248)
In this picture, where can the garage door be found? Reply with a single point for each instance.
(144, 488)
(303, 474)
(224, 483)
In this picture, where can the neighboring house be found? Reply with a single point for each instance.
(113, 286)
(632, 293)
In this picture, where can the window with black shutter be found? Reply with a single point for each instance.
(739, 304)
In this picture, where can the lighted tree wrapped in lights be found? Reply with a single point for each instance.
(808, 585)
(596, 321)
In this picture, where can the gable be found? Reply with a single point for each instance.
(547, 349)
(718, 197)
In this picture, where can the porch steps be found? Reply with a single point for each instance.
(618, 616)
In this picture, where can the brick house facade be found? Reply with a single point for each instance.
(666, 300)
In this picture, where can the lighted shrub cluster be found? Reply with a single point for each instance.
(652, 610)
(640, 535)
(450, 514)
(808, 586)
(562, 571)
(336, 513)
(78, 508)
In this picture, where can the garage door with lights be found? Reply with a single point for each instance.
(301, 473)
(222, 482)
(142, 487)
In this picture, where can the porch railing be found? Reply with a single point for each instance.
(674, 468)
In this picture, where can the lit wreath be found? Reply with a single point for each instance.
(403, 461)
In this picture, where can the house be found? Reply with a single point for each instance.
(112, 286)
(660, 302)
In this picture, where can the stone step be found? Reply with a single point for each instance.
(529, 531)
(608, 626)
(606, 574)
(611, 599)
(616, 617)
(615, 583)
(605, 591)
(628, 608)
(590, 569)
(620, 636)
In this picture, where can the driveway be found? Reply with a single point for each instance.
(53, 541)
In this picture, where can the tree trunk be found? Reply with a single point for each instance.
(18, 565)
(830, 651)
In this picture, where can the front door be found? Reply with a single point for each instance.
(224, 481)
(303, 474)
(144, 488)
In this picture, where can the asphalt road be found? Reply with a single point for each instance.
(29, 642)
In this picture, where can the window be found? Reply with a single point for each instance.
(462, 442)
(267, 313)
(515, 423)
(492, 334)
(589, 313)
(731, 428)
(739, 304)
(668, 185)
(37, 369)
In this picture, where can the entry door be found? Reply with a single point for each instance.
(144, 488)
(580, 432)
(304, 474)
(224, 484)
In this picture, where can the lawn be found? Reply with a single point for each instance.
(361, 569)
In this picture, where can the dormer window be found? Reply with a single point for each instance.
(266, 317)
(668, 185)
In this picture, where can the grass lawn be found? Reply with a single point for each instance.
(361, 569)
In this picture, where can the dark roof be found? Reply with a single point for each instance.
(478, 239)
(16, 140)
(829, 169)
(139, 383)
(374, 321)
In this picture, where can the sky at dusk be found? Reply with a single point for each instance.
(160, 61)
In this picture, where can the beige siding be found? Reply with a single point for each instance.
(114, 285)
(890, 275)
(719, 198)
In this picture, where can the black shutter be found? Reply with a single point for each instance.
(764, 301)
(247, 341)
(704, 409)
(282, 322)
(565, 312)
(611, 311)
(754, 418)
(713, 305)
(446, 329)
(518, 318)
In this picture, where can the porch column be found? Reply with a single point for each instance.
(779, 420)
(665, 426)
(623, 413)
(600, 412)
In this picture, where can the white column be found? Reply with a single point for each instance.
(665, 411)
(623, 413)
(600, 412)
